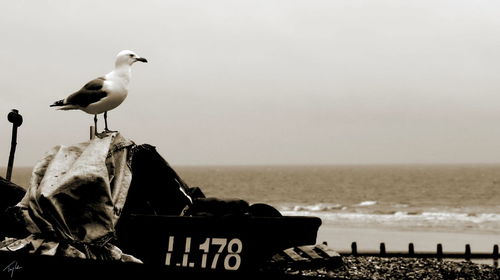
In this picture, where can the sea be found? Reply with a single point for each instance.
(457, 198)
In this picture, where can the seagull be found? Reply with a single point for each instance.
(104, 93)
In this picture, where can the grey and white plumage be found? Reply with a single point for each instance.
(104, 93)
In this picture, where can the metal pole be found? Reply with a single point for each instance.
(16, 119)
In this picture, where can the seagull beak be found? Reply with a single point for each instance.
(141, 59)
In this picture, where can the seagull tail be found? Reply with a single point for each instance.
(61, 106)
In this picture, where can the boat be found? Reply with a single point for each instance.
(231, 247)
(172, 229)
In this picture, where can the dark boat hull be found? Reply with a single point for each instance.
(170, 246)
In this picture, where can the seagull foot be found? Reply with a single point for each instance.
(104, 133)
(101, 135)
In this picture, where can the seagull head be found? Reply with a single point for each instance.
(128, 58)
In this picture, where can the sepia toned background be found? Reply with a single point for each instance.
(263, 82)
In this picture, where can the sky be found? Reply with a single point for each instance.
(262, 82)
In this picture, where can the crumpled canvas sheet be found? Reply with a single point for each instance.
(75, 198)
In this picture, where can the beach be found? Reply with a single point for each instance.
(377, 268)
(397, 240)
(368, 239)
(396, 268)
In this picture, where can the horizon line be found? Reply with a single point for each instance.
(318, 164)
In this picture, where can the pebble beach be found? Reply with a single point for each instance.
(398, 268)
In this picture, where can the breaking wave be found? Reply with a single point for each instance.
(393, 216)
(367, 203)
(317, 207)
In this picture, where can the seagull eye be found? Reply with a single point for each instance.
(131, 55)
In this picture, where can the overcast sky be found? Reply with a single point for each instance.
(263, 82)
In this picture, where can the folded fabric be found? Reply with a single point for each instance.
(75, 198)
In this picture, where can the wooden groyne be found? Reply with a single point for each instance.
(439, 253)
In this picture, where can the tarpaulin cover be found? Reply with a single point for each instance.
(75, 198)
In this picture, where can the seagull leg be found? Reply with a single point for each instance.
(95, 124)
(106, 121)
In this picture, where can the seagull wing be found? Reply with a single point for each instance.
(88, 94)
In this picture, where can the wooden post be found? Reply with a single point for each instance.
(411, 249)
(439, 250)
(16, 119)
(467, 252)
(495, 255)
(382, 249)
(354, 248)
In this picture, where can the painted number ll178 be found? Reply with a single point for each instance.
(229, 251)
